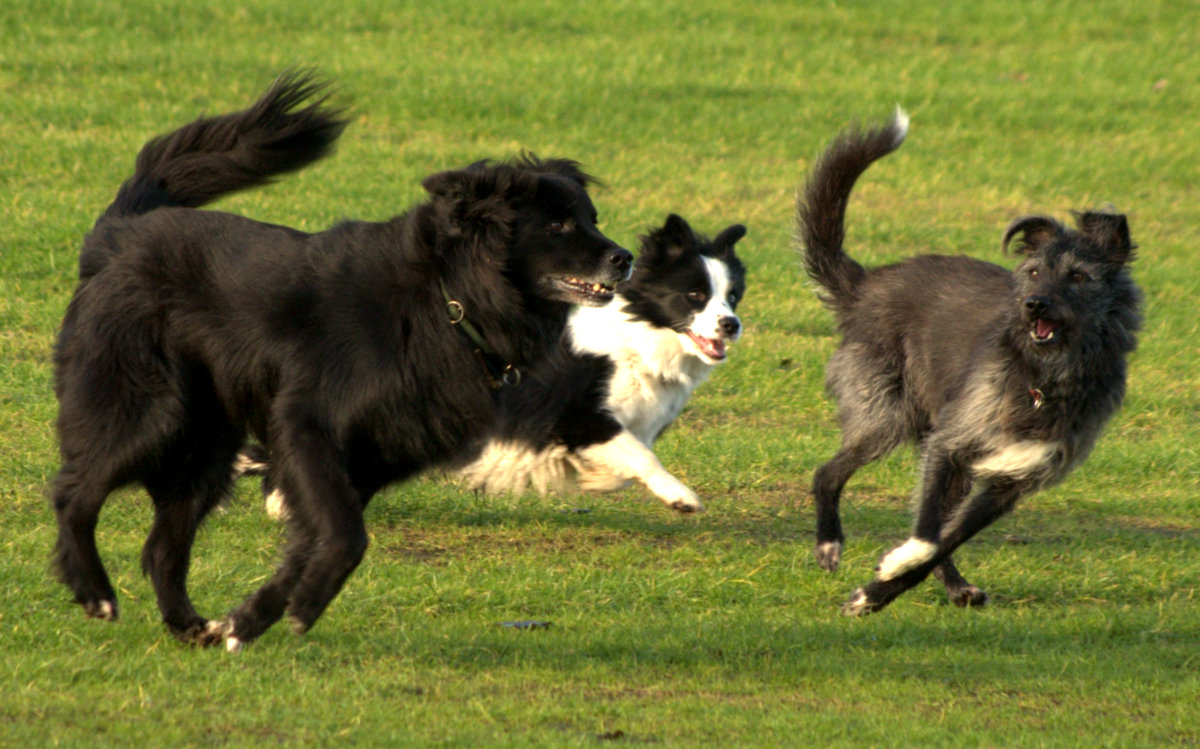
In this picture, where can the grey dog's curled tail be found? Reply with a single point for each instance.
(821, 207)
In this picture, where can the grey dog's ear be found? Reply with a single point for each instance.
(1109, 231)
(1035, 232)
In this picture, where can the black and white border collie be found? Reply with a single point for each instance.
(589, 417)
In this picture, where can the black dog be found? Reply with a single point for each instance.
(1005, 378)
(338, 350)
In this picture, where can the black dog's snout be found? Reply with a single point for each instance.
(730, 325)
(1036, 304)
(621, 258)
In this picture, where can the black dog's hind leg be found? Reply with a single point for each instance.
(916, 558)
(77, 500)
(193, 479)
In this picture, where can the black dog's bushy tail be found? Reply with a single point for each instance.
(215, 156)
(821, 208)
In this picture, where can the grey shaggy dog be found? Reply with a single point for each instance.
(1004, 378)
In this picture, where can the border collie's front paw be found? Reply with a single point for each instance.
(687, 506)
(680, 498)
(828, 555)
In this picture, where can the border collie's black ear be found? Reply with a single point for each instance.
(1035, 232)
(1109, 231)
(728, 237)
(670, 241)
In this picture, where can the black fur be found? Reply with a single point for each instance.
(1005, 378)
(192, 329)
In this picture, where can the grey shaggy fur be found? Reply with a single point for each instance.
(1004, 378)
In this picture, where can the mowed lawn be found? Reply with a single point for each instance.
(716, 630)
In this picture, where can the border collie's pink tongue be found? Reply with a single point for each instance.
(713, 348)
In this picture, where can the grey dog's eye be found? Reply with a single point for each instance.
(1033, 272)
(1079, 276)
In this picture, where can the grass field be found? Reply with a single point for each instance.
(717, 630)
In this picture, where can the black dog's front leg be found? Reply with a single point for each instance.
(910, 563)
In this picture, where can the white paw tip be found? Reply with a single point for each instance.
(233, 645)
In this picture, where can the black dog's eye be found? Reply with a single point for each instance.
(1079, 276)
(560, 227)
(697, 296)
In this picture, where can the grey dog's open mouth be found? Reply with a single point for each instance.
(586, 292)
(1042, 330)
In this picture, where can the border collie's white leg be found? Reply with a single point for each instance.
(626, 456)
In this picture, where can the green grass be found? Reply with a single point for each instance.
(717, 630)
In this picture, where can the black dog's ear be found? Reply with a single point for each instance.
(448, 184)
(1109, 231)
(1035, 232)
(474, 202)
(728, 237)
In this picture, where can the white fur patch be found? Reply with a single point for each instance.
(624, 455)
(1017, 459)
(246, 463)
(513, 467)
(911, 554)
(276, 505)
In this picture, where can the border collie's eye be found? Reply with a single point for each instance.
(559, 227)
(697, 296)
(733, 297)
(1079, 276)
(1033, 272)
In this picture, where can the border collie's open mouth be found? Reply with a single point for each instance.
(713, 348)
(1042, 330)
(589, 293)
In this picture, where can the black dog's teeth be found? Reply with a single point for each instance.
(593, 288)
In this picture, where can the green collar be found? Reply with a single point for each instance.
(499, 373)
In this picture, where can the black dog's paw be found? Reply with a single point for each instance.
(106, 610)
(192, 631)
(217, 633)
(828, 555)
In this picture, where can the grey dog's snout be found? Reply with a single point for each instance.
(1036, 304)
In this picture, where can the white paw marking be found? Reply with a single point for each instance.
(912, 553)
(829, 554)
(857, 605)
(233, 645)
(107, 610)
